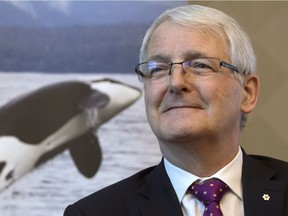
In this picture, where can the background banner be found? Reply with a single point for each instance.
(43, 43)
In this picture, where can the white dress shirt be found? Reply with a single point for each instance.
(232, 201)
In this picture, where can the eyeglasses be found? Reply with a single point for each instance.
(198, 69)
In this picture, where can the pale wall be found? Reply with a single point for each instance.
(267, 25)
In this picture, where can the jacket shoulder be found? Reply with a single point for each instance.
(279, 166)
(116, 199)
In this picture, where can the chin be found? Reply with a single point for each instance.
(178, 136)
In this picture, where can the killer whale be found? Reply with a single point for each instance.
(38, 125)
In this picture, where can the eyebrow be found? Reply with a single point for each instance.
(194, 54)
(189, 55)
(158, 57)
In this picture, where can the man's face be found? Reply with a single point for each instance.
(181, 110)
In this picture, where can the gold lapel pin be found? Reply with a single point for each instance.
(266, 197)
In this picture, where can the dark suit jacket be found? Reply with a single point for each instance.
(150, 193)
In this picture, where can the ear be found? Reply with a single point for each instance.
(250, 93)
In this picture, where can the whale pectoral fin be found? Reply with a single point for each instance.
(96, 99)
(86, 154)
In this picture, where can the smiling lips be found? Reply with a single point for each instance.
(172, 103)
(183, 107)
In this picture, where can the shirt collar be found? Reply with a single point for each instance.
(230, 174)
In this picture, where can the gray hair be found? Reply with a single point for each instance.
(238, 45)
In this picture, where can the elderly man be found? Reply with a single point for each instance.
(198, 70)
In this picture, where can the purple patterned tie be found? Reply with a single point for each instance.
(210, 193)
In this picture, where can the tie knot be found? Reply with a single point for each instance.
(211, 190)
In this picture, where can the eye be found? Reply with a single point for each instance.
(155, 67)
(154, 70)
(200, 65)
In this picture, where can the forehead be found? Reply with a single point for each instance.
(176, 41)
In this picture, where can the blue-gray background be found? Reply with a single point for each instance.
(74, 36)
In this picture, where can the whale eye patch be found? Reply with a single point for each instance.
(2, 165)
(9, 175)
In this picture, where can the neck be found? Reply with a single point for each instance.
(201, 159)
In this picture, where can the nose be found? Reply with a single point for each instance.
(178, 81)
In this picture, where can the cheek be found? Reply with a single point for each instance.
(225, 96)
(229, 98)
(152, 100)
(153, 95)
(151, 109)
(148, 99)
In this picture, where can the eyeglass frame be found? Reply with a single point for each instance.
(221, 64)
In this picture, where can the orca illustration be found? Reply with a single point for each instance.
(41, 124)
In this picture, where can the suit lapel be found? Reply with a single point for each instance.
(157, 196)
(262, 194)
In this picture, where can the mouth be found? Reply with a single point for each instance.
(182, 107)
